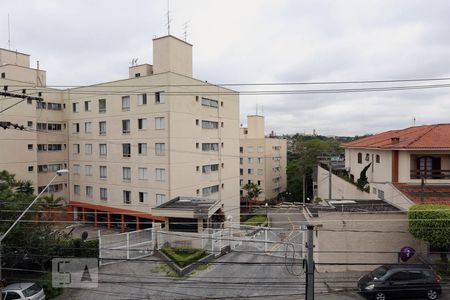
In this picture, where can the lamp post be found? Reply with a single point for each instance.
(58, 173)
(267, 214)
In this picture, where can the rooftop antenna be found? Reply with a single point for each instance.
(256, 108)
(185, 30)
(414, 121)
(9, 35)
(168, 17)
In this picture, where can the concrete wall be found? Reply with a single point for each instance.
(340, 189)
(377, 172)
(171, 54)
(356, 240)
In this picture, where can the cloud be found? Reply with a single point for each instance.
(257, 41)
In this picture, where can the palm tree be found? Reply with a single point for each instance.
(253, 191)
(25, 187)
(50, 201)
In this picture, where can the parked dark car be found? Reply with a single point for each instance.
(400, 281)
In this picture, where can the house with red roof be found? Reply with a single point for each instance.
(406, 166)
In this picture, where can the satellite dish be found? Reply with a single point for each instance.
(84, 235)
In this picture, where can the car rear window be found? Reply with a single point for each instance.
(32, 290)
(379, 272)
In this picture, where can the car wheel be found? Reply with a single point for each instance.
(432, 294)
(380, 296)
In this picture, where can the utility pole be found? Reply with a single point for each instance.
(304, 189)
(329, 181)
(422, 189)
(310, 264)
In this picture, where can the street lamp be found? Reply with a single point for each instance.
(58, 173)
(267, 214)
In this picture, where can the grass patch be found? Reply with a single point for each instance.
(184, 256)
(202, 267)
(256, 220)
(162, 268)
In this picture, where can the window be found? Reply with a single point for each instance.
(142, 148)
(160, 174)
(30, 168)
(30, 146)
(142, 123)
(197, 122)
(89, 191)
(143, 197)
(250, 171)
(416, 275)
(75, 107)
(3, 75)
(259, 182)
(367, 157)
(88, 170)
(87, 105)
(76, 169)
(210, 102)
(241, 149)
(160, 199)
(54, 127)
(87, 127)
(126, 150)
(241, 160)
(159, 123)
(159, 98)
(210, 124)
(260, 171)
(103, 149)
(250, 160)
(377, 158)
(359, 158)
(160, 149)
(142, 173)
(42, 168)
(250, 149)
(41, 105)
(142, 99)
(76, 148)
(103, 194)
(210, 190)
(30, 124)
(126, 173)
(221, 124)
(54, 147)
(11, 295)
(127, 197)
(102, 127)
(125, 126)
(102, 105)
(41, 126)
(88, 149)
(241, 171)
(76, 127)
(210, 146)
(126, 103)
(241, 182)
(210, 168)
(103, 172)
(260, 149)
(399, 276)
(76, 189)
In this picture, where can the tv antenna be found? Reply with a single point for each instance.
(185, 30)
(9, 35)
(414, 121)
(168, 17)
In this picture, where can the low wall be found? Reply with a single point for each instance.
(361, 241)
(340, 189)
(186, 270)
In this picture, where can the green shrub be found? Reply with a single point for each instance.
(442, 268)
(184, 256)
(46, 283)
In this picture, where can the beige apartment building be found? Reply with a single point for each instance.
(134, 144)
(262, 159)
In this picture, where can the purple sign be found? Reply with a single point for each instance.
(406, 253)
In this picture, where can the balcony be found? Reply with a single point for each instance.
(430, 174)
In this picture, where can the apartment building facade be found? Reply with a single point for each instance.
(262, 159)
(134, 144)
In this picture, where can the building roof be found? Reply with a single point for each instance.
(189, 203)
(435, 136)
(353, 206)
(433, 194)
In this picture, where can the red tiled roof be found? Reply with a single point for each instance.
(417, 137)
(433, 194)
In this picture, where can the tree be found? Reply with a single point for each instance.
(25, 187)
(51, 202)
(431, 223)
(363, 180)
(253, 191)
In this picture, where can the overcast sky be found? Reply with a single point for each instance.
(235, 41)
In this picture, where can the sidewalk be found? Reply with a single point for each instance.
(339, 281)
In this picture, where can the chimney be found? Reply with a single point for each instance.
(395, 140)
(171, 54)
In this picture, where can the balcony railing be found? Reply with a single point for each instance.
(430, 174)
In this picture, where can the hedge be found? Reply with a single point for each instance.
(184, 256)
